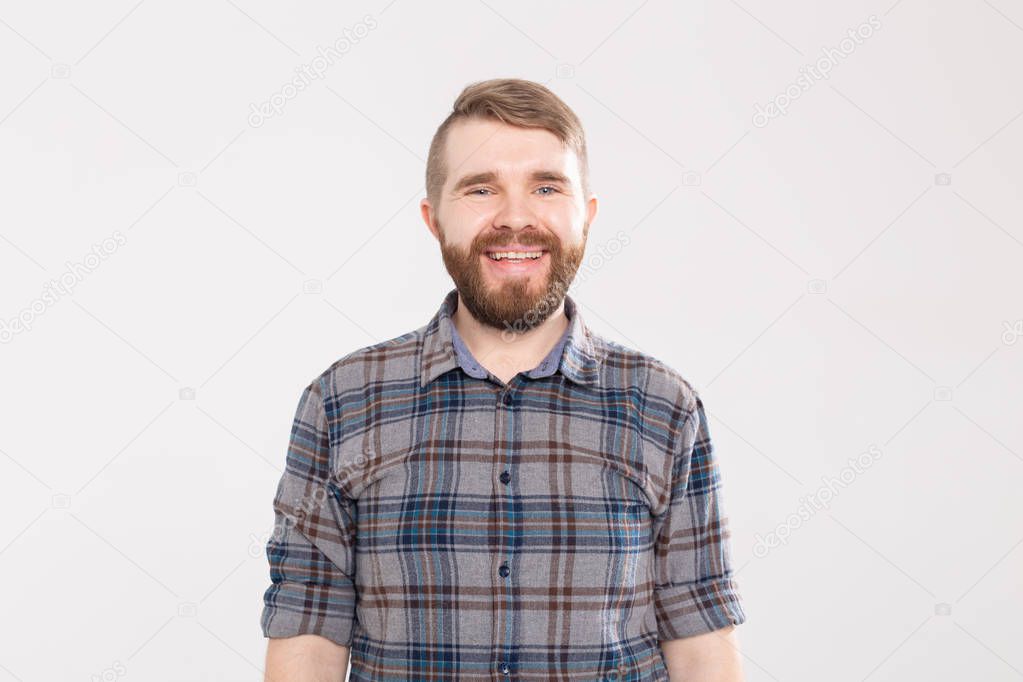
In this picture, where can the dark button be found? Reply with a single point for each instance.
(503, 570)
(505, 668)
(505, 477)
(508, 399)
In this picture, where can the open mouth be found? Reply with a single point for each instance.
(516, 259)
(512, 256)
(516, 262)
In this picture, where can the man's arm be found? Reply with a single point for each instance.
(309, 607)
(696, 597)
(305, 658)
(710, 657)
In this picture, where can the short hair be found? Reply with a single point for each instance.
(513, 101)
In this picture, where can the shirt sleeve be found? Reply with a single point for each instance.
(311, 549)
(694, 590)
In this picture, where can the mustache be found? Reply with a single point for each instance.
(550, 244)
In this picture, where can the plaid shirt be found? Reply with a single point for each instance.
(448, 526)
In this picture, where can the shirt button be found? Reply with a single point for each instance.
(505, 668)
(508, 399)
(503, 570)
(505, 477)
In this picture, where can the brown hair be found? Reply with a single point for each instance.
(516, 102)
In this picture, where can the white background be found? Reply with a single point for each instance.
(845, 277)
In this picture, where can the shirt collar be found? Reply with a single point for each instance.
(443, 349)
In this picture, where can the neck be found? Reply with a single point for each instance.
(504, 353)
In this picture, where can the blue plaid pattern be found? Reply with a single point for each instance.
(448, 526)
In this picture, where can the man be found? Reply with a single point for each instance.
(502, 494)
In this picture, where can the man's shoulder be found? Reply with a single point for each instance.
(392, 359)
(630, 368)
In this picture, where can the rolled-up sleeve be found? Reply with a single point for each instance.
(311, 549)
(694, 590)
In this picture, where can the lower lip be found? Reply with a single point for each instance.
(516, 268)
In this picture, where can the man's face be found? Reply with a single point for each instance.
(510, 189)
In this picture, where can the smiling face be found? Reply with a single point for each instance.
(511, 219)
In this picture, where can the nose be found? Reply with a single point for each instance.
(515, 213)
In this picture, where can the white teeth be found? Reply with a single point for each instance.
(515, 255)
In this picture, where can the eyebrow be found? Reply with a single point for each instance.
(491, 176)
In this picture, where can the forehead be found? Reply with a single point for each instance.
(475, 146)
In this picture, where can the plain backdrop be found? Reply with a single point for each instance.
(840, 281)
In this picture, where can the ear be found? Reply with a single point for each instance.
(429, 218)
(591, 210)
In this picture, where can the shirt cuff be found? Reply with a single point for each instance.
(292, 608)
(688, 609)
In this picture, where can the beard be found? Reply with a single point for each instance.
(516, 303)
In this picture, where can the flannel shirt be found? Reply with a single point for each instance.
(447, 525)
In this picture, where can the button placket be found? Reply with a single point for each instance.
(505, 398)
(503, 453)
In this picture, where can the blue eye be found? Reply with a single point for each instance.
(477, 191)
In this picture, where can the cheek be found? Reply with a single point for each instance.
(564, 221)
(461, 224)
(468, 216)
(563, 213)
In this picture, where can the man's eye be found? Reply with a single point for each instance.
(551, 189)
